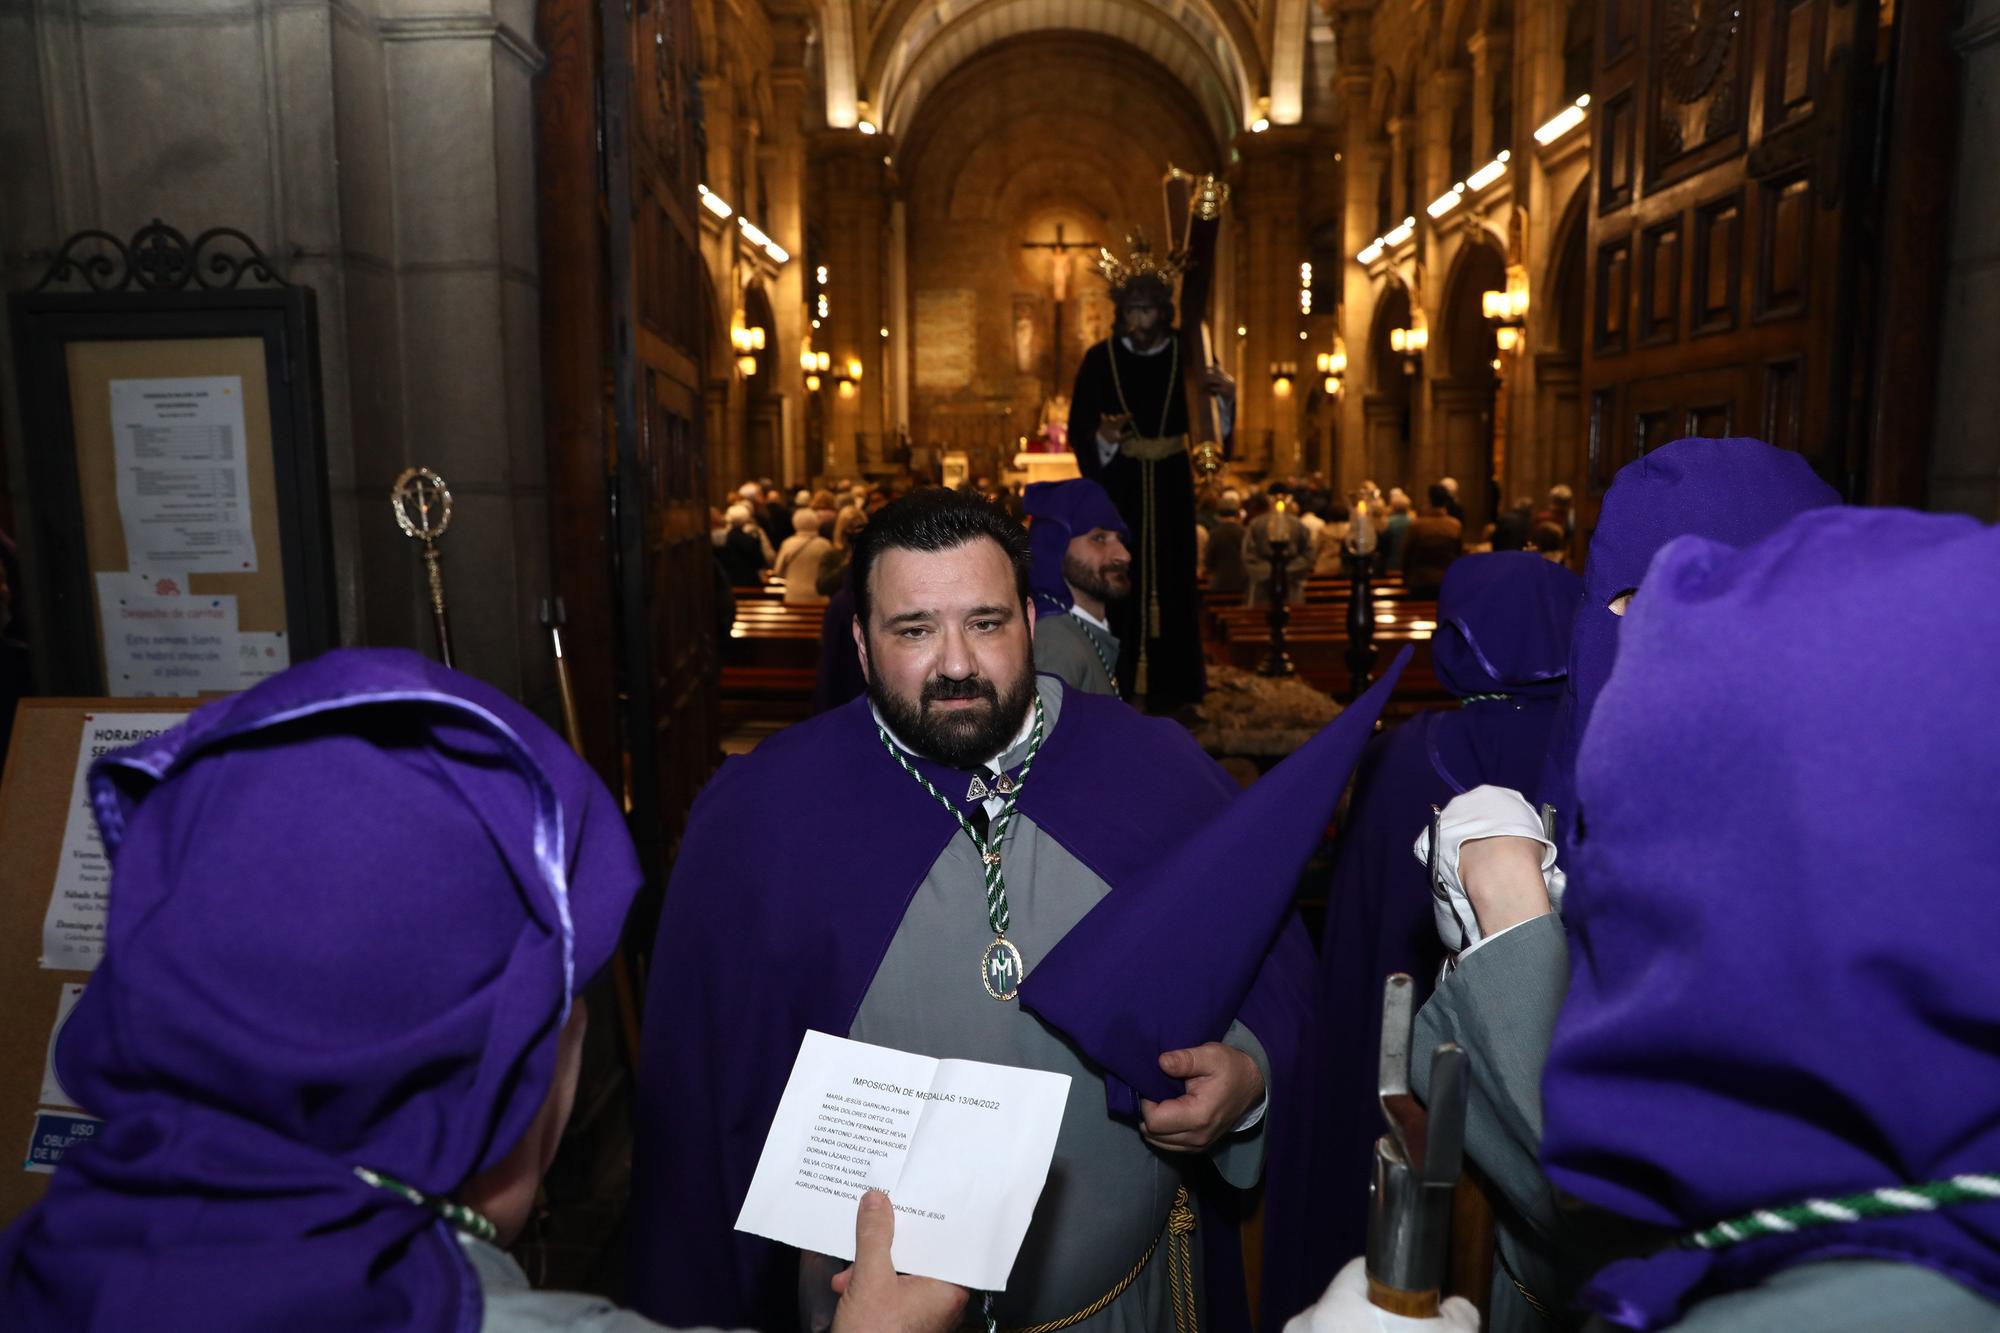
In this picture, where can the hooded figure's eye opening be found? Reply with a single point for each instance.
(1618, 605)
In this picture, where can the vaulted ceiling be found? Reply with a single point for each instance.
(1238, 59)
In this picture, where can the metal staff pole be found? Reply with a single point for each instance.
(423, 511)
(1416, 1166)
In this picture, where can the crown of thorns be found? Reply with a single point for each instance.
(1140, 267)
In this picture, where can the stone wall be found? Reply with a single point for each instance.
(1965, 455)
(382, 152)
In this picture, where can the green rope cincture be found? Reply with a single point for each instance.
(997, 915)
(1894, 1201)
(1483, 698)
(468, 1220)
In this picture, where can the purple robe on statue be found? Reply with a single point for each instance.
(349, 909)
(1782, 982)
(1733, 490)
(1504, 626)
(772, 927)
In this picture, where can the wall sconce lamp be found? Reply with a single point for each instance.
(748, 341)
(814, 364)
(1333, 365)
(1507, 309)
(1412, 341)
(1282, 375)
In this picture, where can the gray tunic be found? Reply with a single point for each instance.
(1076, 652)
(510, 1305)
(1108, 1192)
(1501, 1006)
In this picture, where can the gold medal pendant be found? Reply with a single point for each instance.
(1001, 968)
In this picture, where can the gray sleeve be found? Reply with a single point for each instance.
(1060, 652)
(1239, 1158)
(1501, 1006)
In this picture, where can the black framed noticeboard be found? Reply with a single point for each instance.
(178, 539)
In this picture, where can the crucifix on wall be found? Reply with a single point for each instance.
(1059, 252)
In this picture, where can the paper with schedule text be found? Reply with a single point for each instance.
(961, 1148)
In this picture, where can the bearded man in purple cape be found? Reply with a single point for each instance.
(1081, 565)
(995, 867)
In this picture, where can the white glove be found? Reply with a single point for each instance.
(1345, 1309)
(1483, 812)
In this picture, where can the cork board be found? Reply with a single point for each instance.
(34, 808)
(260, 594)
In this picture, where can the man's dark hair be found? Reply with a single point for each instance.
(1440, 495)
(934, 520)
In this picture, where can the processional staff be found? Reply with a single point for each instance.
(423, 511)
(1196, 257)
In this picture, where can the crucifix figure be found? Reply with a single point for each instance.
(1059, 250)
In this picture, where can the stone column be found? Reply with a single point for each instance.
(1437, 97)
(1267, 202)
(785, 176)
(1492, 59)
(854, 206)
(1365, 160)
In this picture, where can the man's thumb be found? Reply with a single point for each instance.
(1177, 1064)
(874, 1230)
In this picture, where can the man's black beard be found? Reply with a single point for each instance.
(1094, 582)
(957, 739)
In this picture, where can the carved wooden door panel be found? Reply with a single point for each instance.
(667, 573)
(1729, 141)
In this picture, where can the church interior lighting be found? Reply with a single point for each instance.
(714, 202)
(866, 126)
(1401, 232)
(1447, 201)
(1370, 252)
(1259, 125)
(1563, 121)
(1489, 173)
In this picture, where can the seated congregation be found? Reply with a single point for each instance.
(1694, 869)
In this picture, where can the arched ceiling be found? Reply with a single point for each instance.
(1238, 58)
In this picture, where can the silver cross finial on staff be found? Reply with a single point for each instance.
(423, 511)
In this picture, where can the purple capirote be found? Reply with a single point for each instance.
(1502, 647)
(1733, 491)
(348, 911)
(1059, 512)
(1782, 985)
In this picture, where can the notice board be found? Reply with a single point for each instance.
(37, 820)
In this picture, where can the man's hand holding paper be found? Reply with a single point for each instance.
(962, 1148)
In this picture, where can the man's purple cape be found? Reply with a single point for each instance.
(1504, 630)
(821, 890)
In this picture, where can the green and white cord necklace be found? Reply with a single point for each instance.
(470, 1221)
(1000, 965)
(1892, 1201)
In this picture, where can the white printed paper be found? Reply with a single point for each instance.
(53, 1093)
(183, 479)
(961, 1148)
(73, 927)
(162, 641)
(260, 654)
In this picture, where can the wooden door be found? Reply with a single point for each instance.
(622, 346)
(1727, 201)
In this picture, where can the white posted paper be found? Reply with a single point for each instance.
(73, 927)
(961, 1148)
(161, 640)
(53, 1092)
(261, 654)
(183, 480)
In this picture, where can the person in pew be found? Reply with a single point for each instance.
(1007, 909)
(847, 524)
(1222, 558)
(1434, 540)
(1735, 491)
(333, 1053)
(1502, 648)
(745, 552)
(1080, 565)
(1396, 529)
(801, 558)
(1275, 518)
(1767, 1098)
